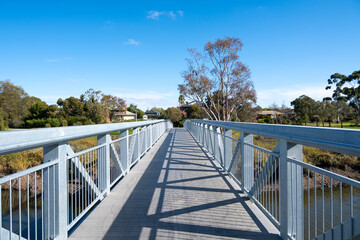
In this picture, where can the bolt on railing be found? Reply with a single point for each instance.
(280, 183)
(59, 192)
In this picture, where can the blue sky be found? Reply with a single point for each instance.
(137, 49)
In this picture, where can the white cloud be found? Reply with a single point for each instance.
(155, 15)
(75, 80)
(131, 41)
(279, 96)
(172, 15)
(52, 60)
(50, 99)
(68, 58)
(147, 99)
(181, 13)
(108, 24)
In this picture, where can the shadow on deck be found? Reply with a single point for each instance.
(175, 192)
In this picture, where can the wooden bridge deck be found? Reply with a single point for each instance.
(175, 192)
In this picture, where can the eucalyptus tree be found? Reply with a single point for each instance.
(14, 103)
(346, 88)
(217, 79)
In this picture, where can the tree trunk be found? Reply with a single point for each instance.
(341, 123)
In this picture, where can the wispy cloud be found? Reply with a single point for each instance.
(147, 99)
(181, 13)
(131, 41)
(108, 24)
(75, 80)
(68, 58)
(155, 15)
(287, 95)
(51, 60)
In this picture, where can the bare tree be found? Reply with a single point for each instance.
(218, 80)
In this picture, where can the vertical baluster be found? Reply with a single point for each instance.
(331, 204)
(76, 197)
(272, 188)
(19, 192)
(315, 206)
(0, 213)
(48, 202)
(10, 200)
(27, 206)
(54, 198)
(323, 203)
(308, 190)
(276, 184)
(42, 204)
(72, 190)
(35, 203)
(351, 210)
(82, 183)
(341, 204)
(87, 179)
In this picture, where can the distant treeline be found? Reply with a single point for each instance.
(19, 110)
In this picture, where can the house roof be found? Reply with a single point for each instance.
(151, 112)
(127, 114)
(270, 112)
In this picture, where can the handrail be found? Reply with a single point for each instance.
(334, 139)
(15, 141)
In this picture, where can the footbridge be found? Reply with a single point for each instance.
(208, 180)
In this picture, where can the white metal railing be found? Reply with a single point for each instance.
(301, 200)
(46, 201)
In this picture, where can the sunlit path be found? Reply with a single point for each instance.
(175, 192)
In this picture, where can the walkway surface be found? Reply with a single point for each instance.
(175, 192)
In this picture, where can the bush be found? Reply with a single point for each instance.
(54, 122)
(287, 121)
(261, 120)
(35, 123)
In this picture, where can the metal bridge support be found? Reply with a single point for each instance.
(137, 145)
(55, 192)
(247, 161)
(216, 143)
(124, 150)
(291, 196)
(227, 148)
(105, 139)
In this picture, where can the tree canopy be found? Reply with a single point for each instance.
(218, 79)
(346, 88)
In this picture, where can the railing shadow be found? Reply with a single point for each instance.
(179, 202)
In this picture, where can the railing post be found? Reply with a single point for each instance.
(136, 147)
(105, 139)
(247, 161)
(216, 144)
(206, 137)
(291, 194)
(227, 148)
(124, 150)
(55, 185)
(210, 142)
(151, 135)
